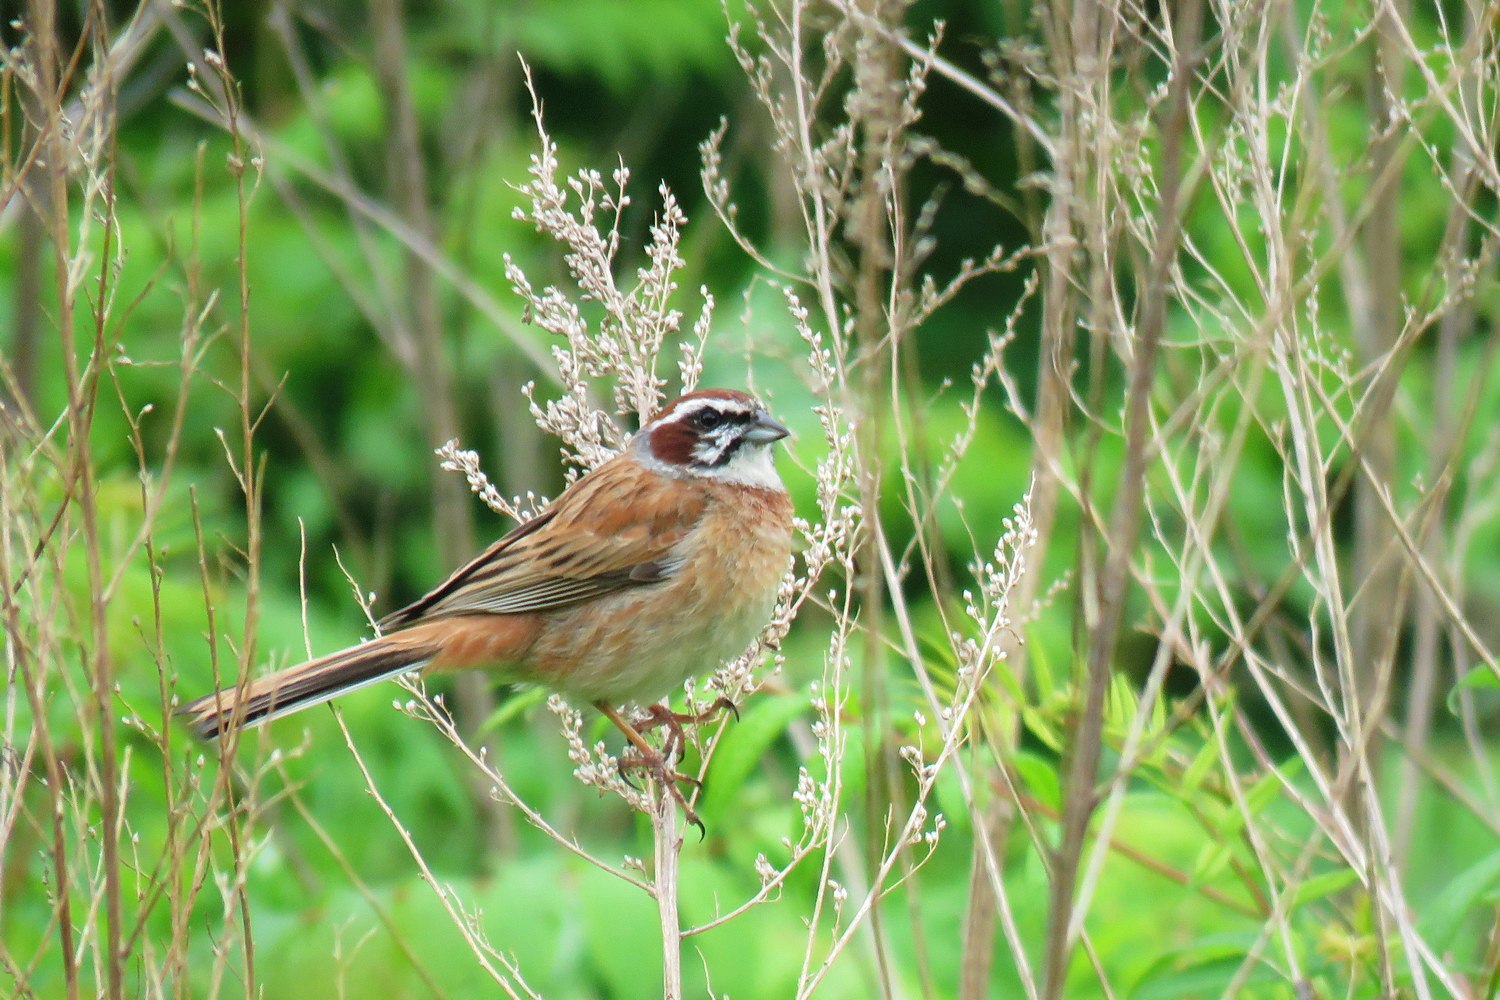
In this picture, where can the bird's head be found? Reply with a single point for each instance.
(719, 434)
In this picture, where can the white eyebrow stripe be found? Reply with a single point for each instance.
(693, 406)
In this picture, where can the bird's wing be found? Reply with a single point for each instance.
(617, 527)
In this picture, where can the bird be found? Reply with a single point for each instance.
(659, 564)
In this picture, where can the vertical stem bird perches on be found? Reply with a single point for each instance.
(667, 841)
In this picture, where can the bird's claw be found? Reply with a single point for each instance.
(662, 717)
(667, 777)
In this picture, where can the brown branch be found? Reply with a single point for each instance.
(1086, 744)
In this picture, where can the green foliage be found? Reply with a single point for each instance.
(1180, 898)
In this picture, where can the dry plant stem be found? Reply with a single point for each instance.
(666, 841)
(1361, 831)
(328, 842)
(952, 729)
(284, 162)
(875, 341)
(1047, 432)
(165, 880)
(910, 832)
(246, 465)
(1064, 921)
(1190, 563)
(979, 916)
(23, 666)
(1054, 372)
(508, 975)
(1376, 629)
(1426, 620)
(1047, 438)
(428, 363)
(878, 341)
(26, 316)
(432, 712)
(82, 392)
(45, 59)
(833, 695)
(839, 185)
(375, 291)
(85, 110)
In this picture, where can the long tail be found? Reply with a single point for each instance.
(307, 684)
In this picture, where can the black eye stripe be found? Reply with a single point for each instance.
(711, 418)
(720, 455)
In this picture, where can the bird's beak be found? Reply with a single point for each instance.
(766, 429)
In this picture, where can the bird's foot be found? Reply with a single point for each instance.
(662, 717)
(658, 767)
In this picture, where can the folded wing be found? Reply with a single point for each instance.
(616, 528)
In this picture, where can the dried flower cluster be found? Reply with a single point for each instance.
(610, 330)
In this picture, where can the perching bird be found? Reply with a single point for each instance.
(661, 563)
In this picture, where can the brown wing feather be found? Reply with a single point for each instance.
(419, 608)
(614, 528)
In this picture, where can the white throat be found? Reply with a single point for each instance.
(750, 465)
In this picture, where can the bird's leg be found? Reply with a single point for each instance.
(648, 758)
(672, 722)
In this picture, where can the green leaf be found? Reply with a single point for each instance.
(512, 706)
(1041, 672)
(1211, 860)
(763, 721)
(1120, 709)
(1321, 886)
(1040, 777)
(1263, 793)
(1468, 890)
(1481, 678)
(1200, 968)
(1198, 770)
(1040, 726)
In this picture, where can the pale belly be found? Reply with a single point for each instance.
(640, 645)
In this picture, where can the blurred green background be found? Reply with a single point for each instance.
(347, 443)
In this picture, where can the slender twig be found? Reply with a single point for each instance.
(666, 839)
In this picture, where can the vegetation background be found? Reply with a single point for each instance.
(1159, 336)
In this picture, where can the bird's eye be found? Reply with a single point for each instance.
(709, 419)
